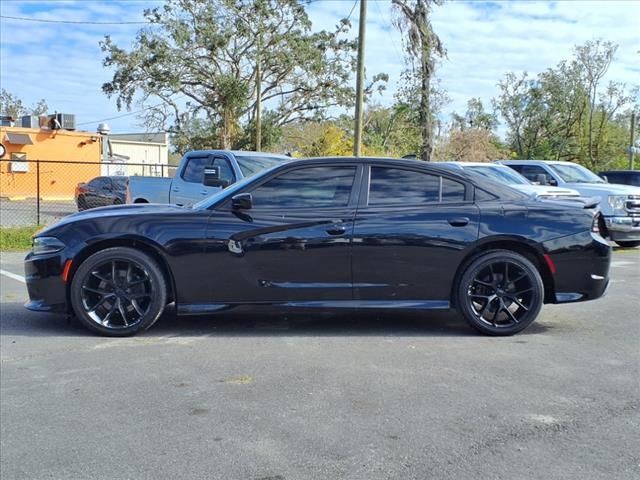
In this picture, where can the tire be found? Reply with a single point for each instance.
(628, 243)
(493, 306)
(118, 292)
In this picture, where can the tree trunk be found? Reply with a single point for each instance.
(425, 107)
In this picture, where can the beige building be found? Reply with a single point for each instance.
(138, 154)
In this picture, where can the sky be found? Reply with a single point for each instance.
(62, 63)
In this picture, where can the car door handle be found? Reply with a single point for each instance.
(176, 189)
(458, 221)
(336, 229)
(204, 192)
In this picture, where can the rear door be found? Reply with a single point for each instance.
(187, 188)
(409, 235)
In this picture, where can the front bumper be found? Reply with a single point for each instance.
(46, 288)
(623, 228)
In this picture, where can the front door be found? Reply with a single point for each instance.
(410, 234)
(293, 245)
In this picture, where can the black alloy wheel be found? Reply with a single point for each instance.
(500, 293)
(118, 292)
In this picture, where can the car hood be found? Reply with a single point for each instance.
(546, 191)
(605, 189)
(115, 211)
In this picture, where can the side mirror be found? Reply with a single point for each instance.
(212, 178)
(242, 201)
(553, 182)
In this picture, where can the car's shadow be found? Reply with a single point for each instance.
(16, 321)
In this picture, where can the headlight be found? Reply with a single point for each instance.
(617, 203)
(47, 245)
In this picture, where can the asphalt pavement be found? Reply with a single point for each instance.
(350, 396)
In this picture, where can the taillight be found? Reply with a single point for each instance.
(595, 224)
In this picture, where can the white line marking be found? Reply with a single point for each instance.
(13, 276)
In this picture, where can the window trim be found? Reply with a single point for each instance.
(353, 197)
(366, 187)
(213, 159)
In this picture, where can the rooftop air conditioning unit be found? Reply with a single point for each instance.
(62, 121)
(29, 121)
(6, 121)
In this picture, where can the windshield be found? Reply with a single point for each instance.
(252, 165)
(500, 174)
(575, 174)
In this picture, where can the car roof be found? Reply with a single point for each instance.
(524, 162)
(472, 164)
(240, 153)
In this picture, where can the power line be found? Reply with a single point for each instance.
(74, 22)
(128, 114)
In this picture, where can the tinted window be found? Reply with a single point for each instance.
(120, 183)
(452, 191)
(194, 169)
(100, 182)
(307, 187)
(392, 185)
(531, 172)
(251, 165)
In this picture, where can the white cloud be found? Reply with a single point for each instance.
(63, 63)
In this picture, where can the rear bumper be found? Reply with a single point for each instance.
(582, 268)
(43, 276)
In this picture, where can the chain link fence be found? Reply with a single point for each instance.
(39, 192)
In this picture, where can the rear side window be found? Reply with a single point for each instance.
(307, 188)
(99, 182)
(394, 185)
(194, 169)
(251, 165)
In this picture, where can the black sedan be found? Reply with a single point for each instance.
(339, 233)
(101, 192)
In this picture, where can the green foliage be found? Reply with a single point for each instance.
(11, 105)
(332, 141)
(565, 113)
(17, 238)
(207, 52)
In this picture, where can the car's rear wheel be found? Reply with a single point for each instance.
(118, 292)
(628, 243)
(500, 293)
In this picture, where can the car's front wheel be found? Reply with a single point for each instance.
(118, 292)
(500, 293)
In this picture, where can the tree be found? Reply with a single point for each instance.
(217, 53)
(470, 145)
(475, 117)
(595, 58)
(11, 105)
(422, 44)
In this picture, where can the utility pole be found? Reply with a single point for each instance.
(632, 140)
(357, 141)
(258, 99)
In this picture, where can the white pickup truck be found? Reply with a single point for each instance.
(201, 173)
(503, 174)
(619, 204)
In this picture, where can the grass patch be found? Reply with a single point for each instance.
(16, 238)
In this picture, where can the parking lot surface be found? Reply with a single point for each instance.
(353, 396)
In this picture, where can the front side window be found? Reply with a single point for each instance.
(194, 169)
(310, 187)
(536, 174)
(575, 174)
(409, 187)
